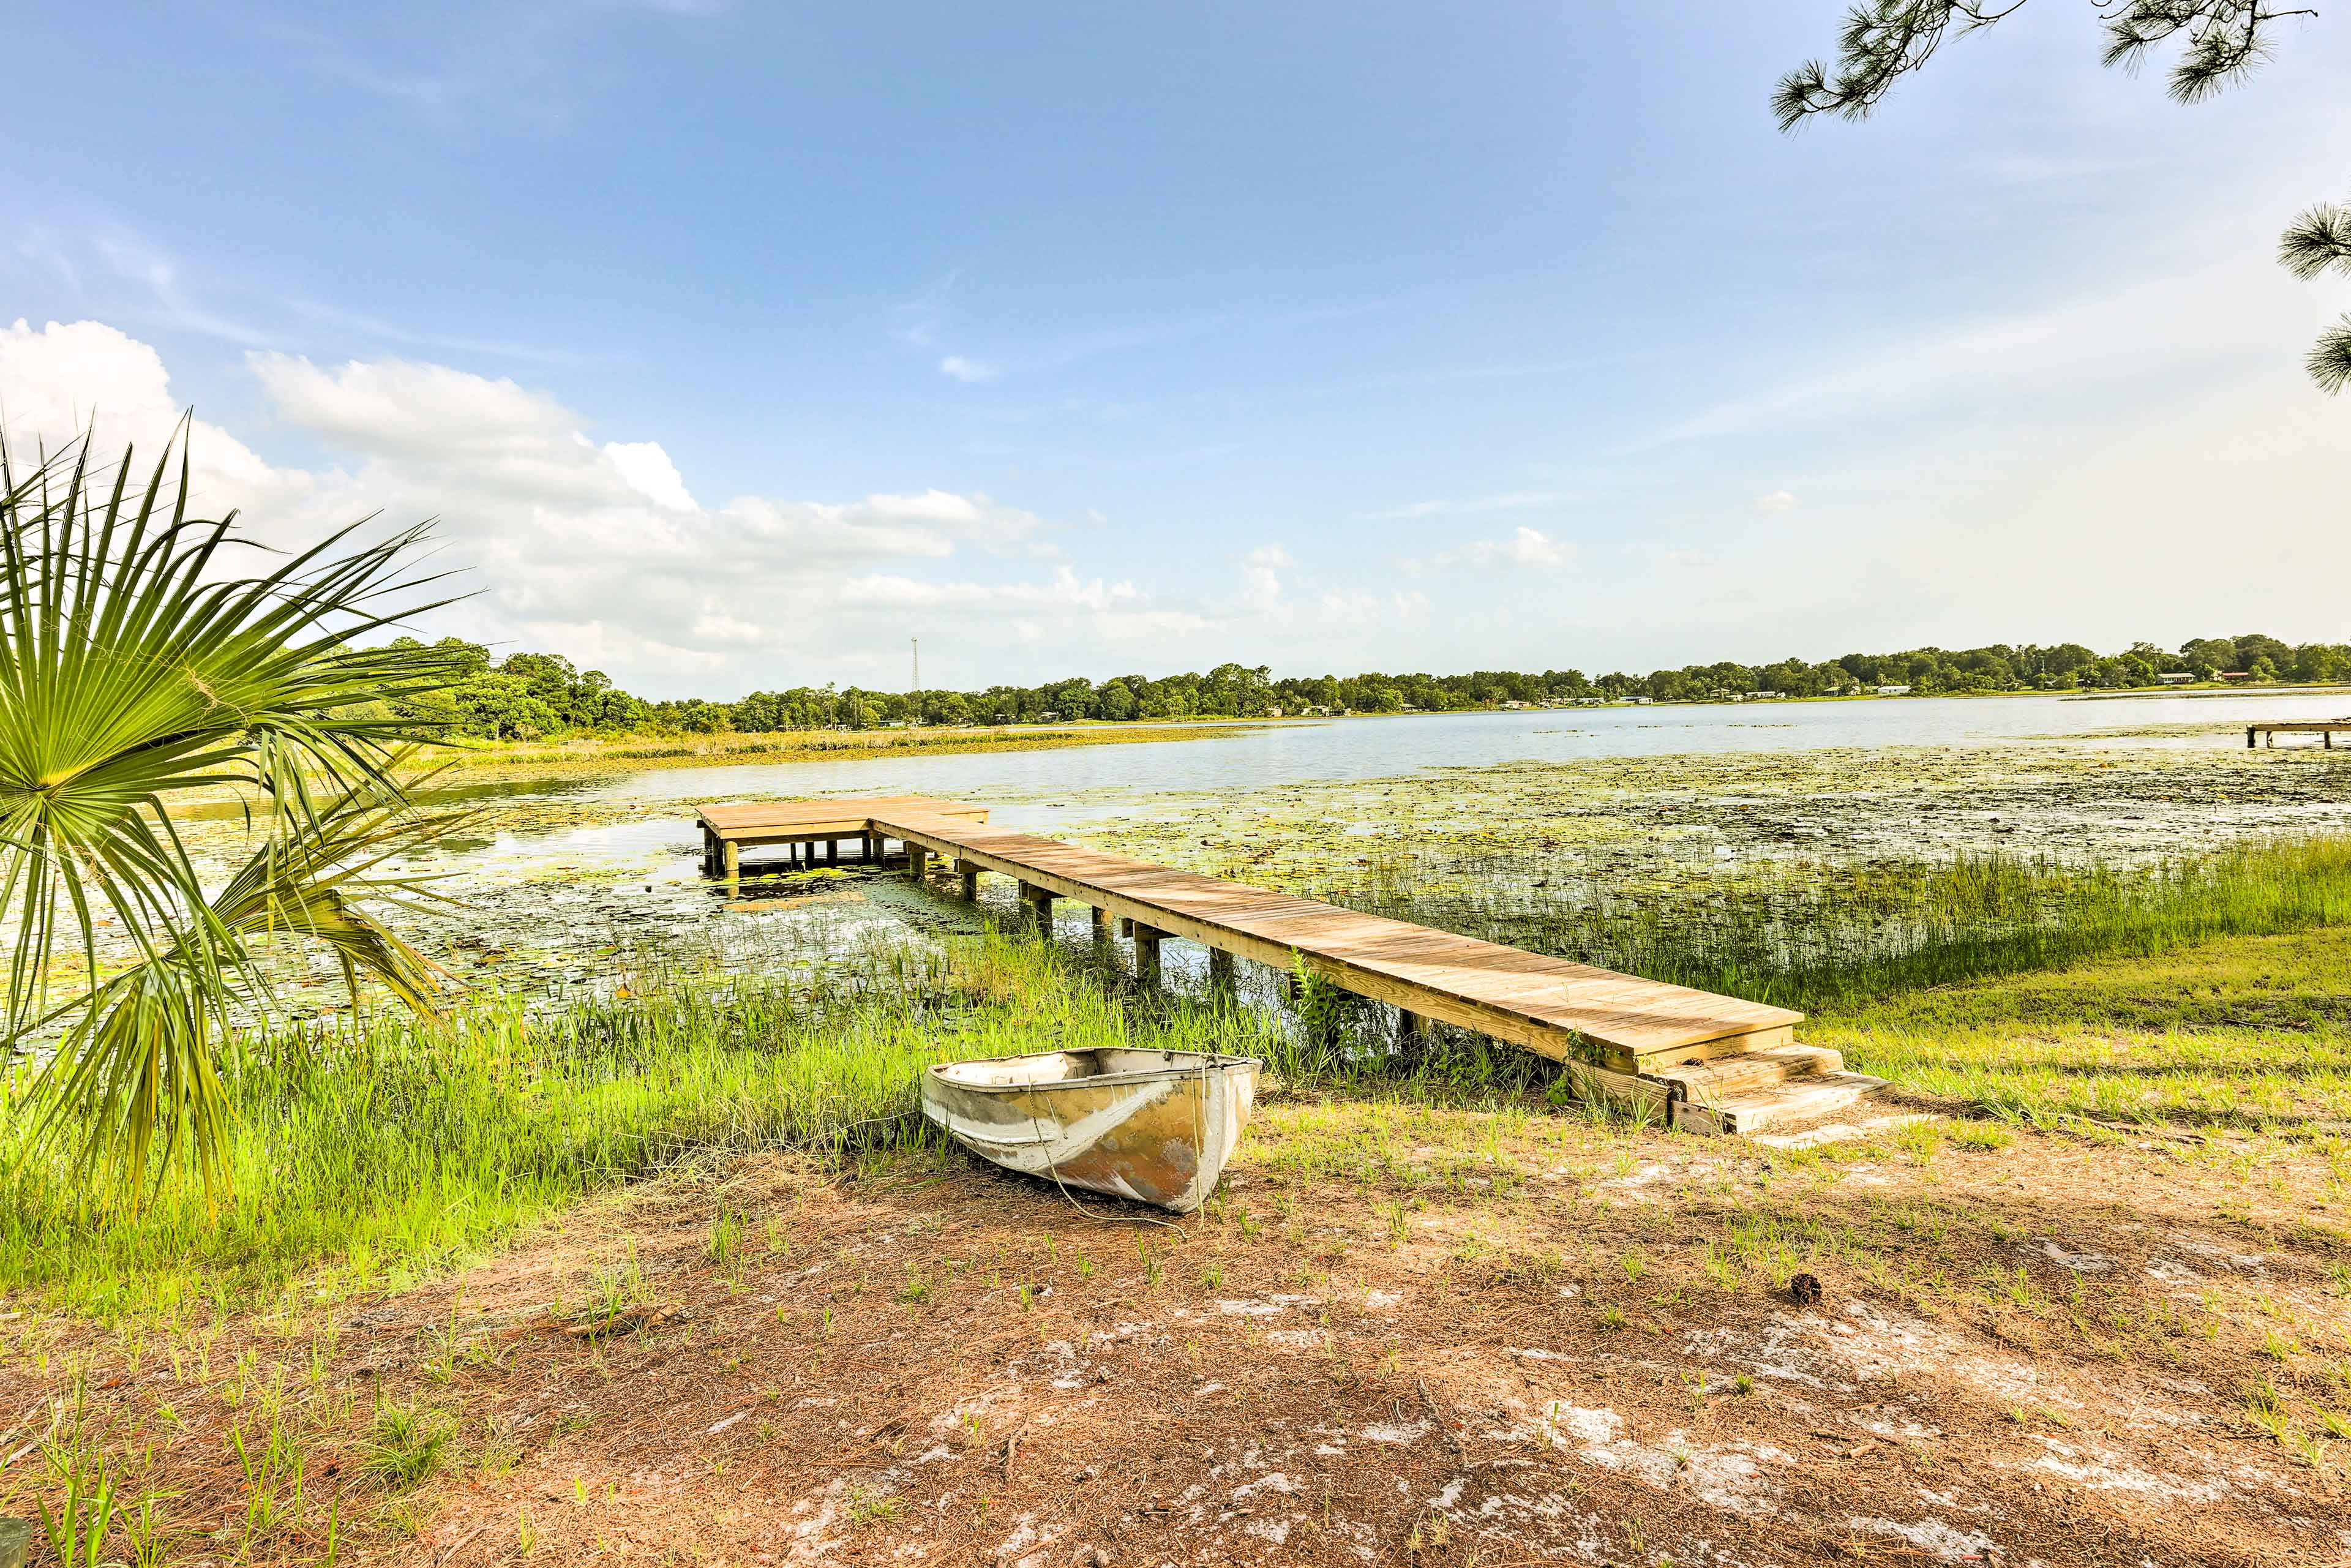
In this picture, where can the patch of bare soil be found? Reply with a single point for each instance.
(1401, 1337)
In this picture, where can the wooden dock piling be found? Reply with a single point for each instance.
(1714, 1063)
(2326, 729)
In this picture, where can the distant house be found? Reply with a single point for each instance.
(2236, 675)
(1762, 696)
(2176, 678)
(1894, 691)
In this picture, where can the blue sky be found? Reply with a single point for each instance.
(734, 346)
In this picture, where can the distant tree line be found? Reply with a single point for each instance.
(530, 697)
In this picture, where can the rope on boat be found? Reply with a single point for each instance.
(1199, 1149)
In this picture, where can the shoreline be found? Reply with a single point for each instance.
(511, 761)
(503, 761)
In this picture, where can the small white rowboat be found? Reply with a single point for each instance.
(1155, 1126)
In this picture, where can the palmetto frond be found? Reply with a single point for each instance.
(139, 1062)
(137, 668)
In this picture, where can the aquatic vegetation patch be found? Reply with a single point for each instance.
(1808, 935)
(397, 1153)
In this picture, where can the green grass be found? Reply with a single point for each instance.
(2204, 991)
(2244, 1031)
(358, 1168)
(1806, 935)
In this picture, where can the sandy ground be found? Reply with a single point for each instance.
(568, 895)
(1400, 1336)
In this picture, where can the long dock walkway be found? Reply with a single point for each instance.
(1713, 1063)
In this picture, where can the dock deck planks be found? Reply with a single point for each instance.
(1561, 1010)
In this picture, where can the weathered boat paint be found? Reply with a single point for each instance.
(1152, 1125)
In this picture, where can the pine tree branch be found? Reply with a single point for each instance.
(2330, 358)
(1885, 40)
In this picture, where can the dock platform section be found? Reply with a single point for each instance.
(1712, 1063)
(2326, 728)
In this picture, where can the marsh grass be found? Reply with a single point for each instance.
(2246, 1031)
(1814, 936)
(377, 1162)
(368, 1162)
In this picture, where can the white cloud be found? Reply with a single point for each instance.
(56, 381)
(968, 370)
(1525, 547)
(650, 473)
(600, 549)
(1515, 501)
(1261, 578)
(1777, 501)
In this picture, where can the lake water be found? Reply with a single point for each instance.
(1031, 789)
(565, 873)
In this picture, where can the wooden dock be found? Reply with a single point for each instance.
(2326, 728)
(1711, 1064)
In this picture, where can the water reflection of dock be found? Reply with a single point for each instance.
(1713, 1064)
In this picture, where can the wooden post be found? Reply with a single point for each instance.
(1146, 952)
(1100, 922)
(1413, 1031)
(709, 851)
(969, 872)
(2248, 738)
(1039, 901)
(734, 861)
(917, 862)
(1221, 969)
(832, 851)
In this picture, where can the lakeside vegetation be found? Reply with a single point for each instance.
(532, 696)
(1809, 936)
(400, 1150)
(574, 752)
(366, 1162)
(187, 1203)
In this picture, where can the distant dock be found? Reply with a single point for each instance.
(2327, 730)
(1709, 1063)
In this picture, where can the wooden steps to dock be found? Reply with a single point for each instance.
(1711, 1064)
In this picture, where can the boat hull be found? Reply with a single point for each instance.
(1151, 1125)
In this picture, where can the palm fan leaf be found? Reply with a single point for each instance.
(139, 1059)
(138, 668)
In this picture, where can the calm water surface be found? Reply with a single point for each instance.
(1033, 786)
(1043, 787)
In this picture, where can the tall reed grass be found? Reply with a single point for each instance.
(1817, 936)
(374, 1160)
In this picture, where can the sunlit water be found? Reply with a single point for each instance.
(558, 905)
(1043, 789)
(1038, 789)
(1032, 787)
